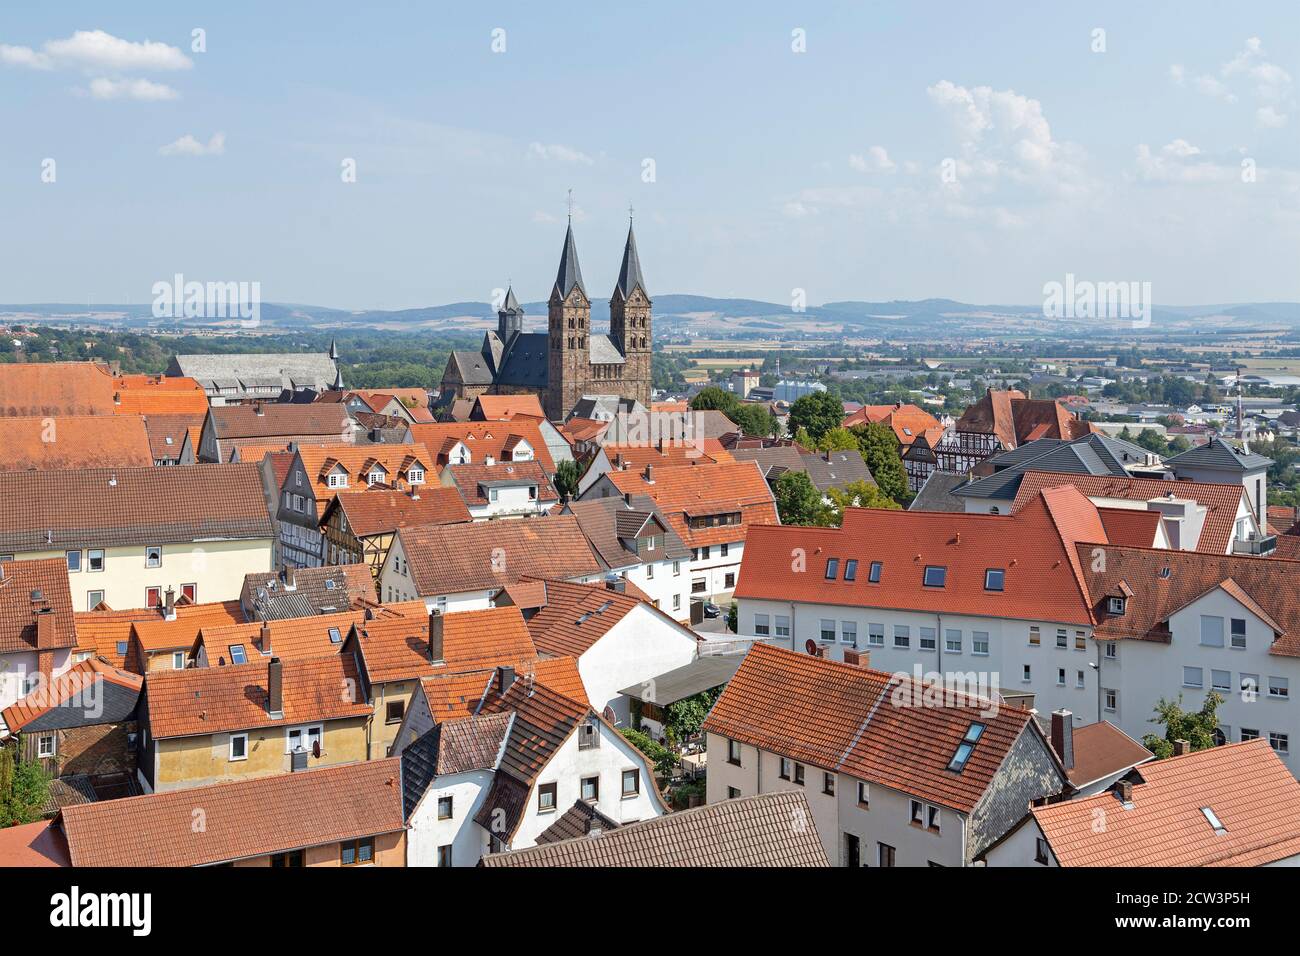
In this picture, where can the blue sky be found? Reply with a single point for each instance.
(773, 170)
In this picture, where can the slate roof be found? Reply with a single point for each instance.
(774, 460)
(472, 367)
(937, 493)
(314, 370)
(1217, 453)
(1089, 455)
(569, 275)
(525, 363)
(247, 818)
(65, 702)
(748, 831)
(629, 273)
(836, 469)
(315, 591)
(110, 507)
(27, 588)
(73, 441)
(452, 746)
(1247, 787)
(604, 522)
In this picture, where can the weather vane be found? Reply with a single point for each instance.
(570, 205)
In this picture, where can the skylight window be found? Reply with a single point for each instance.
(966, 747)
(832, 568)
(851, 569)
(335, 636)
(994, 579)
(1213, 819)
(873, 575)
(237, 654)
(935, 576)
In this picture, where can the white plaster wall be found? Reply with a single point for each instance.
(638, 648)
(427, 832)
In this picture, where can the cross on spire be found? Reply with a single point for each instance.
(630, 210)
(570, 205)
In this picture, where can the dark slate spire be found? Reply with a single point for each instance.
(334, 349)
(629, 276)
(512, 304)
(338, 379)
(570, 274)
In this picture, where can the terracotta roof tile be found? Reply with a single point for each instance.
(73, 441)
(576, 616)
(55, 388)
(483, 438)
(1101, 750)
(159, 395)
(319, 460)
(505, 407)
(1130, 526)
(398, 649)
(473, 480)
(76, 681)
(33, 844)
(277, 419)
(27, 589)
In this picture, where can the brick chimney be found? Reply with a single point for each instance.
(1182, 747)
(46, 637)
(264, 638)
(505, 677)
(1124, 791)
(1063, 737)
(649, 474)
(436, 623)
(169, 604)
(275, 686)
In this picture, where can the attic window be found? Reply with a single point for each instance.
(851, 569)
(1115, 605)
(873, 575)
(1214, 821)
(966, 747)
(237, 654)
(935, 576)
(832, 568)
(335, 636)
(994, 579)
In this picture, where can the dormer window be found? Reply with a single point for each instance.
(935, 576)
(337, 479)
(376, 477)
(1115, 605)
(415, 476)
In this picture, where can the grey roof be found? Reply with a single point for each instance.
(602, 351)
(525, 361)
(570, 274)
(1217, 453)
(598, 518)
(114, 705)
(771, 829)
(843, 468)
(472, 367)
(511, 303)
(937, 493)
(629, 275)
(315, 591)
(772, 461)
(580, 820)
(287, 369)
(703, 673)
(1091, 454)
(453, 746)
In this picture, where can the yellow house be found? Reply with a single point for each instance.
(218, 724)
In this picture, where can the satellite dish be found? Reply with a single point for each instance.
(810, 646)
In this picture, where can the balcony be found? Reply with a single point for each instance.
(1257, 545)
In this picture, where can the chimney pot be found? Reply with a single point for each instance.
(264, 638)
(275, 686)
(436, 624)
(1182, 747)
(1063, 737)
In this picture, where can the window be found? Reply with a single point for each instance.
(336, 636)
(864, 794)
(631, 783)
(1115, 605)
(1027, 674)
(94, 599)
(415, 476)
(650, 571)
(733, 752)
(1040, 851)
(1213, 820)
(1211, 631)
(1193, 677)
(677, 569)
(873, 573)
(152, 597)
(782, 622)
(588, 736)
(677, 602)
(357, 852)
(591, 789)
(849, 633)
(1062, 640)
(932, 818)
(1279, 742)
(827, 631)
(1278, 688)
(798, 774)
(121, 648)
(337, 480)
(95, 559)
(1080, 641)
(851, 569)
(178, 660)
(784, 767)
(927, 638)
(884, 854)
(952, 640)
(832, 568)
(1078, 679)
(918, 812)
(237, 654)
(1111, 699)
(444, 854)
(190, 592)
(1221, 680)
(492, 494)
(46, 745)
(153, 557)
(285, 860)
(979, 643)
(1239, 633)
(828, 784)
(934, 576)
(1035, 635)
(1248, 734)
(902, 635)
(546, 798)
(994, 579)
(762, 625)
(375, 478)
(729, 580)
(74, 561)
(1112, 650)
(445, 808)
(239, 746)
(304, 738)
(394, 710)
(1249, 687)
(966, 747)
(875, 635)
(1060, 677)
(732, 793)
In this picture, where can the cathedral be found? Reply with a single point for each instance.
(569, 360)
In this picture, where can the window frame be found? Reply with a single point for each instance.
(230, 748)
(544, 789)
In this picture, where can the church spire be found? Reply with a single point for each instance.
(338, 379)
(511, 303)
(334, 350)
(629, 276)
(569, 275)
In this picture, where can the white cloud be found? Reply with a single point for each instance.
(102, 88)
(1270, 118)
(875, 160)
(187, 145)
(98, 51)
(1180, 162)
(1271, 85)
(559, 154)
(1180, 147)
(1214, 88)
(1177, 73)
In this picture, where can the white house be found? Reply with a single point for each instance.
(38, 636)
(502, 489)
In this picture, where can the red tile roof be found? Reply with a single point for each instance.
(159, 395)
(482, 438)
(576, 616)
(381, 510)
(27, 589)
(55, 388)
(1034, 547)
(1247, 787)
(1101, 750)
(76, 680)
(1015, 419)
(248, 818)
(398, 649)
(357, 460)
(33, 844)
(907, 421)
(73, 441)
(1130, 526)
(473, 480)
(505, 407)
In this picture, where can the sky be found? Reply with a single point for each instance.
(852, 151)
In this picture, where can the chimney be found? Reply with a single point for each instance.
(615, 583)
(505, 677)
(258, 410)
(436, 622)
(46, 638)
(169, 604)
(1182, 747)
(1063, 737)
(1124, 790)
(286, 576)
(649, 474)
(275, 686)
(264, 638)
(619, 461)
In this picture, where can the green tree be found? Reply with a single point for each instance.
(712, 398)
(756, 421)
(798, 501)
(879, 447)
(24, 788)
(857, 494)
(1152, 440)
(684, 717)
(566, 478)
(1195, 726)
(838, 438)
(817, 413)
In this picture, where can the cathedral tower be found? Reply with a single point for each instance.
(568, 329)
(630, 323)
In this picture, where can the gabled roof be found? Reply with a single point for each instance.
(452, 746)
(1034, 548)
(1246, 787)
(483, 439)
(603, 521)
(211, 700)
(110, 507)
(576, 616)
(1089, 455)
(55, 388)
(73, 441)
(1102, 750)
(33, 844)
(293, 638)
(32, 591)
(95, 679)
(473, 480)
(159, 395)
(319, 460)
(382, 510)
(397, 649)
(937, 493)
(580, 820)
(248, 818)
(1130, 526)
(745, 832)
(455, 558)
(836, 469)
(1015, 419)
(505, 407)
(325, 589)
(231, 422)
(1218, 454)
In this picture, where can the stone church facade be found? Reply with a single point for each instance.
(568, 361)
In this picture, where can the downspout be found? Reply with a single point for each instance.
(793, 630)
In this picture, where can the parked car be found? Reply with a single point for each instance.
(711, 609)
